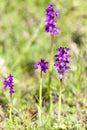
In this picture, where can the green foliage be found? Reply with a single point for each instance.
(23, 41)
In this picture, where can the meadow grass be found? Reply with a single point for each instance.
(23, 42)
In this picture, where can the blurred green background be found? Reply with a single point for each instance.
(23, 41)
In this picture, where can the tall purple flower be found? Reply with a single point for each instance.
(42, 64)
(62, 61)
(51, 14)
(8, 82)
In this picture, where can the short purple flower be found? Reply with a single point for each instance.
(51, 14)
(42, 64)
(8, 82)
(62, 60)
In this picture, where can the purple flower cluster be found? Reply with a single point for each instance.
(62, 61)
(8, 82)
(42, 64)
(51, 14)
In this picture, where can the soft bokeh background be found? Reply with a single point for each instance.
(23, 41)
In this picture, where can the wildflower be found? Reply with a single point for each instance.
(42, 64)
(8, 82)
(51, 14)
(62, 61)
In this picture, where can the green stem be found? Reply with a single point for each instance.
(59, 105)
(10, 116)
(50, 72)
(40, 98)
(51, 54)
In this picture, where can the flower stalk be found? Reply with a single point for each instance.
(59, 105)
(43, 65)
(40, 98)
(62, 59)
(51, 54)
(11, 107)
(50, 72)
(51, 27)
(8, 82)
